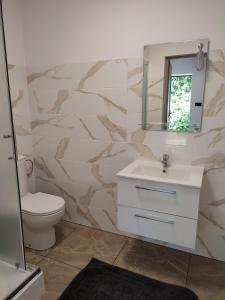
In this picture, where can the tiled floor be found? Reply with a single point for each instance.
(77, 244)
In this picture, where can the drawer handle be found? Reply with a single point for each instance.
(155, 189)
(154, 219)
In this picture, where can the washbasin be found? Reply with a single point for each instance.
(153, 171)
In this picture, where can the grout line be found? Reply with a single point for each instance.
(63, 263)
(133, 237)
(58, 244)
(43, 259)
(187, 275)
(100, 229)
(73, 229)
(123, 246)
(35, 252)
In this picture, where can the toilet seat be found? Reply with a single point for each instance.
(41, 204)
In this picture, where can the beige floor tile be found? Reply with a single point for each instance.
(57, 277)
(32, 258)
(85, 243)
(69, 224)
(62, 231)
(206, 278)
(154, 261)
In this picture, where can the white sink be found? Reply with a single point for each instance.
(175, 174)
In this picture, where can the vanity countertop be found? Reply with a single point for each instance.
(185, 175)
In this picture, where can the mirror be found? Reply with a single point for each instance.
(173, 86)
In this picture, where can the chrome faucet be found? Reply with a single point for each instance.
(165, 162)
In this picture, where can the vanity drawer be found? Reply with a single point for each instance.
(166, 198)
(172, 229)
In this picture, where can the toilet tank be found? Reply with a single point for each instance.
(22, 173)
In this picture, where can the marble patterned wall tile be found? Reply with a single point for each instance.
(101, 127)
(96, 175)
(134, 99)
(171, 143)
(97, 218)
(56, 125)
(93, 173)
(217, 61)
(86, 127)
(85, 101)
(134, 130)
(74, 150)
(215, 87)
(20, 101)
(212, 237)
(134, 85)
(208, 147)
(48, 101)
(214, 95)
(24, 145)
(85, 150)
(100, 74)
(213, 196)
(104, 100)
(21, 114)
(134, 72)
(213, 131)
(18, 90)
(84, 203)
(104, 127)
(95, 151)
(22, 124)
(201, 248)
(50, 77)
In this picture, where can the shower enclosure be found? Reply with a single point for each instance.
(14, 274)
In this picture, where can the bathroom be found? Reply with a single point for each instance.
(79, 142)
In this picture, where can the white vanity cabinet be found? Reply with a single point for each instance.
(164, 210)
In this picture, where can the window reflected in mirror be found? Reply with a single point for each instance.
(179, 102)
(173, 86)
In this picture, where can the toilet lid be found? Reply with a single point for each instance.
(41, 204)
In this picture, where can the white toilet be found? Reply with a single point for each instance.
(40, 213)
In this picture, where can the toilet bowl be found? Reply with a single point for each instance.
(40, 213)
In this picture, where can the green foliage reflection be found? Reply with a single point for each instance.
(180, 100)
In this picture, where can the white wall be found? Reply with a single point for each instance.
(59, 31)
(13, 25)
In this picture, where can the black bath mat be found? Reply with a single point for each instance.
(101, 281)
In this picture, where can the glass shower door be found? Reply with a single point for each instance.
(14, 275)
(11, 240)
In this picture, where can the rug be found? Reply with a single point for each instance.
(101, 281)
